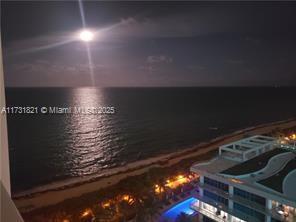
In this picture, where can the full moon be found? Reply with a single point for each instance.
(86, 36)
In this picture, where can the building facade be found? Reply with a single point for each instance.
(8, 211)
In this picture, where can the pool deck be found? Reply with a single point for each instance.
(173, 215)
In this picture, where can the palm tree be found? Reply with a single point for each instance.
(141, 214)
(147, 211)
(103, 213)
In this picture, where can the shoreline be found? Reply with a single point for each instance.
(57, 192)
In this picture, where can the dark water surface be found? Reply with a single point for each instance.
(147, 122)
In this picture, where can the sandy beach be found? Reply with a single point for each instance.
(57, 192)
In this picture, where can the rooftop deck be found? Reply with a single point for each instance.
(211, 166)
(276, 182)
(254, 164)
(248, 148)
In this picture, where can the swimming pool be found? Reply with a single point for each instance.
(184, 206)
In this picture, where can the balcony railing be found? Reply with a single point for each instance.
(208, 213)
(220, 206)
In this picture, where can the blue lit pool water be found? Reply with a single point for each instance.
(184, 206)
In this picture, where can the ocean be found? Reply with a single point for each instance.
(146, 122)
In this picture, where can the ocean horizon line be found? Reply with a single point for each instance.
(146, 87)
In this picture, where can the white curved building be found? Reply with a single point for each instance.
(252, 180)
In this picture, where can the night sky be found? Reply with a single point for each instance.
(150, 44)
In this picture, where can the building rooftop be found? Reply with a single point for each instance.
(214, 166)
(247, 148)
(254, 164)
(283, 181)
(272, 170)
